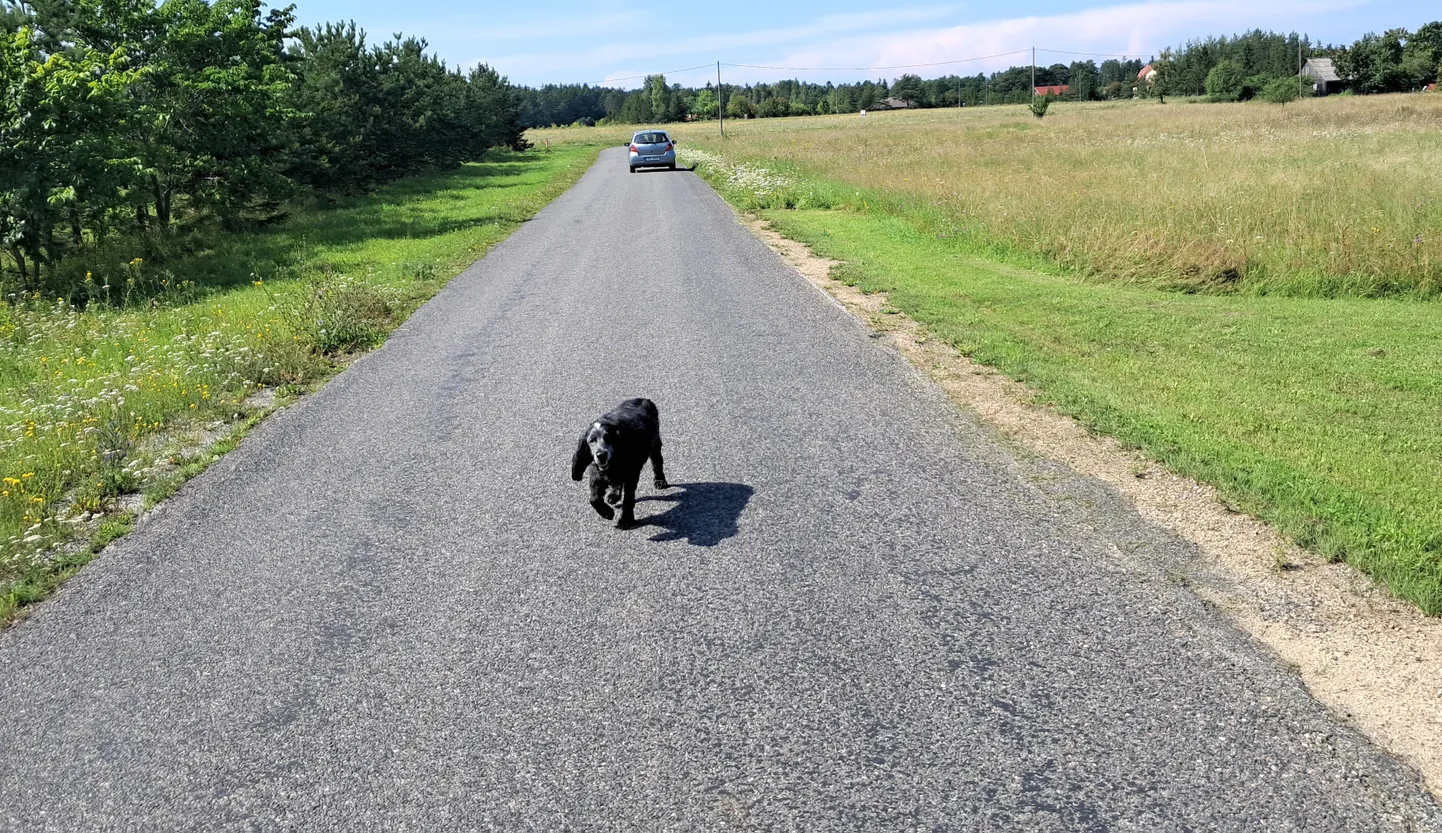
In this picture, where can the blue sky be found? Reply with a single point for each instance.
(566, 41)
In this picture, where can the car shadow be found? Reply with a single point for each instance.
(704, 514)
(664, 170)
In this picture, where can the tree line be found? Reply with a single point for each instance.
(1395, 61)
(150, 117)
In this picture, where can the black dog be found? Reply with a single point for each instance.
(613, 449)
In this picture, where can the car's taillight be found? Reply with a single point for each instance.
(669, 146)
(633, 149)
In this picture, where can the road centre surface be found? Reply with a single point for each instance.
(390, 607)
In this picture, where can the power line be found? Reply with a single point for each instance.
(1091, 54)
(872, 68)
(869, 69)
(649, 74)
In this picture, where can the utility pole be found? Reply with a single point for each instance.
(1299, 67)
(720, 101)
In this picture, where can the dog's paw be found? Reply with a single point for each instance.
(613, 496)
(603, 510)
(626, 522)
(662, 484)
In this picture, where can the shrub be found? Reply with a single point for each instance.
(1283, 90)
(334, 313)
(1225, 81)
(1253, 86)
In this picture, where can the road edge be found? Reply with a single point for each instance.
(1373, 660)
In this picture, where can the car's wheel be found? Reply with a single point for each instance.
(633, 170)
(672, 166)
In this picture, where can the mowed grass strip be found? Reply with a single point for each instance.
(88, 396)
(1319, 416)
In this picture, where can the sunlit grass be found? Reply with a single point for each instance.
(85, 393)
(1317, 415)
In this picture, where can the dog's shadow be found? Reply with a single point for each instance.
(704, 514)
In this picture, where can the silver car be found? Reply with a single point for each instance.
(652, 149)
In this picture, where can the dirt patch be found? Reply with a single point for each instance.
(1374, 660)
(164, 454)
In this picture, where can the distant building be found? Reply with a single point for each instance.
(1323, 73)
(1430, 88)
(890, 104)
(1055, 90)
(1148, 75)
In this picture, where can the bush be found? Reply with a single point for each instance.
(1253, 86)
(334, 314)
(1283, 90)
(739, 107)
(1225, 81)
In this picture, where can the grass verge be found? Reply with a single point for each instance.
(1316, 415)
(106, 399)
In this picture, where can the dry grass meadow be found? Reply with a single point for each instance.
(1327, 197)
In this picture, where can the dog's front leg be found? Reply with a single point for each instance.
(658, 466)
(628, 503)
(598, 485)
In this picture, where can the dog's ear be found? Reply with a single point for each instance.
(582, 458)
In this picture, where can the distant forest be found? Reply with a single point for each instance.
(1239, 67)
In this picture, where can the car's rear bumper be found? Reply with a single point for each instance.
(659, 160)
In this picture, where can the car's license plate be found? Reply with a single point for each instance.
(650, 159)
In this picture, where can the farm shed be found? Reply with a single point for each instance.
(1323, 73)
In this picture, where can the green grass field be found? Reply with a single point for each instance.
(1247, 293)
(1318, 416)
(90, 394)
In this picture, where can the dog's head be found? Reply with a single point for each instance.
(598, 445)
(601, 440)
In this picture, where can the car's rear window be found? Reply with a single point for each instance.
(650, 138)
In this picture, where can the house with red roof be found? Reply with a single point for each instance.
(1055, 90)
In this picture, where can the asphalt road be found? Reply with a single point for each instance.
(391, 609)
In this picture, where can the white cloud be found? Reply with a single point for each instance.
(597, 61)
(882, 44)
(478, 28)
(1137, 29)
